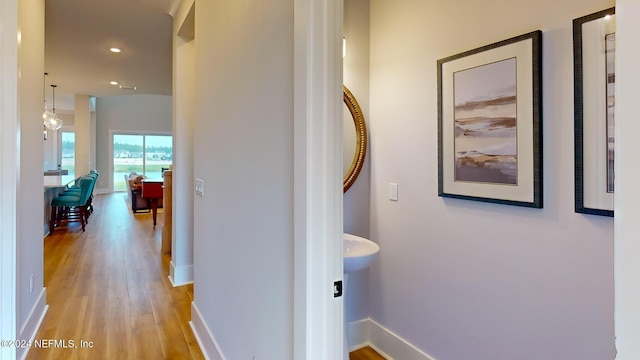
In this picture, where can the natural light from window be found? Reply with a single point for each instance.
(144, 154)
(68, 156)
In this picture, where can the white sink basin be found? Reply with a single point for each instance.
(359, 252)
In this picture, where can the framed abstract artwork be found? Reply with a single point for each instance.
(594, 112)
(490, 123)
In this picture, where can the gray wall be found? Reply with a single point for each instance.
(127, 113)
(243, 226)
(462, 279)
(29, 195)
(183, 132)
(356, 199)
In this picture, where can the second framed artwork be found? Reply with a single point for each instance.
(490, 123)
(594, 112)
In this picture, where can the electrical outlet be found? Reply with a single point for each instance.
(31, 283)
(200, 187)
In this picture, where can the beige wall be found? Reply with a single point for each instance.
(83, 139)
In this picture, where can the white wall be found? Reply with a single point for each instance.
(243, 230)
(356, 199)
(467, 280)
(127, 113)
(627, 227)
(30, 302)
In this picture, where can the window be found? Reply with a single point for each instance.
(68, 155)
(144, 154)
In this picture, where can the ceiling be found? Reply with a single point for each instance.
(79, 34)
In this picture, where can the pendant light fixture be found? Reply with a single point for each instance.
(46, 113)
(51, 120)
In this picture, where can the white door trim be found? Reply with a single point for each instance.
(626, 247)
(8, 172)
(318, 316)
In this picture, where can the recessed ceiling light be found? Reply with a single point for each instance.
(115, 50)
(114, 83)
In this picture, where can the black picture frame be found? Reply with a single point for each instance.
(476, 162)
(594, 113)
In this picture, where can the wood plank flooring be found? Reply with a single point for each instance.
(366, 353)
(108, 287)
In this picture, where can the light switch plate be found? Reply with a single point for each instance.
(200, 187)
(393, 191)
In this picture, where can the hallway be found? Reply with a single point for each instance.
(108, 291)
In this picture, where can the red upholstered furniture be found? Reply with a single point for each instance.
(152, 191)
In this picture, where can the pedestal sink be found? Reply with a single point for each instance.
(359, 253)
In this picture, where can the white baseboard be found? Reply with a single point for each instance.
(367, 332)
(358, 334)
(208, 344)
(34, 320)
(101, 191)
(180, 275)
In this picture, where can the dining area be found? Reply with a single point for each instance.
(68, 203)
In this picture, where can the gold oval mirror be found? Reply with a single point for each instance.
(354, 139)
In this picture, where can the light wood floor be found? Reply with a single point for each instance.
(366, 353)
(109, 286)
